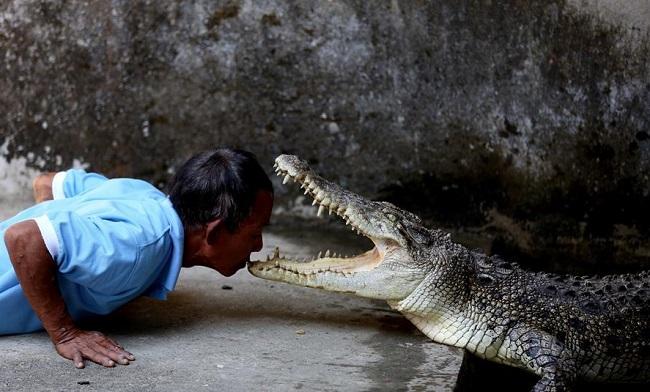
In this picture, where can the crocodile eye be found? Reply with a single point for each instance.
(485, 279)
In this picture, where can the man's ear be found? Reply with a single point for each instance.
(212, 230)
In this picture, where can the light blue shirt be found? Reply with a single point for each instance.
(112, 241)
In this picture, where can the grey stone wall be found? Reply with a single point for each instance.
(529, 119)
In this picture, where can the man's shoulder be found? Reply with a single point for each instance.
(125, 186)
(132, 204)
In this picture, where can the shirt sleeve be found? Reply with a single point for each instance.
(73, 182)
(92, 252)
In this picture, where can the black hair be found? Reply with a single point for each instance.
(217, 184)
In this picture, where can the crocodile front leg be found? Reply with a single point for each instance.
(546, 356)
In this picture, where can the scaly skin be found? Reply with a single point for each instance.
(563, 328)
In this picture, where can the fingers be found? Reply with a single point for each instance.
(94, 354)
(116, 353)
(112, 349)
(116, 347)
(78, 360)
(114, 343)
(119, 347)
(95, 347)
(78, 354)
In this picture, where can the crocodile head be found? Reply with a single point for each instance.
(391, 270)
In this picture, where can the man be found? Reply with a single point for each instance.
(94, 244)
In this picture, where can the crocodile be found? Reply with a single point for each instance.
(563, 328)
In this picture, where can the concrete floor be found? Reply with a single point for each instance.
(243, 334)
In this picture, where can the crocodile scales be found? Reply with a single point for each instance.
(562, 328)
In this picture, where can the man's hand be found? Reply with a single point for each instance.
(77, 345)
(36, 272)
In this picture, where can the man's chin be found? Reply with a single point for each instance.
(234, 270)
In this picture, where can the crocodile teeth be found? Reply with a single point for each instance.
(286, 179)
(327, 253)
(320, 210)
(276, 252)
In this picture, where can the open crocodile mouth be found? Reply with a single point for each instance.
(334, 199)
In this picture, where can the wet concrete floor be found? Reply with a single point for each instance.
(243, 333)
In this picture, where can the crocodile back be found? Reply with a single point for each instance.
(602, 321)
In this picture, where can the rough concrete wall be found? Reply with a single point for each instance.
(532, 117)
(630, 14)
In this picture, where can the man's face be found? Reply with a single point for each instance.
(231, 250)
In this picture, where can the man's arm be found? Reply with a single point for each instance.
(36, 272)
(42, 187)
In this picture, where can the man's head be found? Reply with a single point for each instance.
(224, 199)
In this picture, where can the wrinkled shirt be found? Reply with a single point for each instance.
(111, 240)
